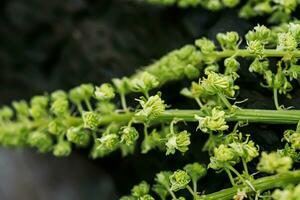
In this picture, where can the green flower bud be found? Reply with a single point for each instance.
(289, 193)
(191, 71)
(215, 122)
(179, 180)
(293, 72)
(179, 141)
(260, 34)
(218, 83)
(37, 111)
(82, 92)
(78, 136)
(151, 108)
(121, 85)
(140, 189)
(288, 5)
(109, 142)
(248, 151)
(55, 127)
(274, 162)
(105, 107)
(231, 64)
(104, 92)
(129, 136)
(6, 113)
(144, 82)
(160, 190)
(40, 140)
(147, 197)
(294, 29)
(286, 42)
(228, 40)
(223, 155)
(60, 107)
(293, 137)
(62, 149)
(256, 47)
(230, 3)
(259, 66)
(163, 178)
(197, 90)
(206, 46)
(59, 94)
(195, 171)
(91, 120)
(40, 101)
(152, 141)
(21, 107)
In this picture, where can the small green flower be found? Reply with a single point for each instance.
(228, 40)
(59, 94)
(62, 149)
(129, 135)
(147, 197)
(104, 92)
(144, 82)
(286, 42)
(151, 108)
(191, 71)
(179, 141)
(91, 120)
(223, 155)
(6, 113)
(21, 107)
(41, 101)
(109, 142)
(289, 193)
(179, 180)
(55, 127)
(78, 135)
(274, 162)
(40, 140)
(214, 122)
(60, 107)
(195, 171)
(293, 137)
(256, 47)
(259, 66)
(230, 3)
(260, 33)
(140, 189)
(231, 64)
(206, 46)
(128, 198)
(121, 85)
(82, 92)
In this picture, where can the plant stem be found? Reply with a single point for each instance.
(261, 184)
(246, 115)
(275, 97)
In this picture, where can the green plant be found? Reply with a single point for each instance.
(100, 118)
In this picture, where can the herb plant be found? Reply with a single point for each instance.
(100, 118)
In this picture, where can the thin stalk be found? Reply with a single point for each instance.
(246, 115)
(261, 184)
(275, 97)
(230, 177)
(225, 100)
(195, 186)
(191, 191)
(123, 102)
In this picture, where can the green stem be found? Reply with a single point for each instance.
(230, 177)
(191, 191)
(261, 184)
(123, 102)
(275, 97)
(224, 100)
(246, 115)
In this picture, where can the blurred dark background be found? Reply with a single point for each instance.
(49, 45)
